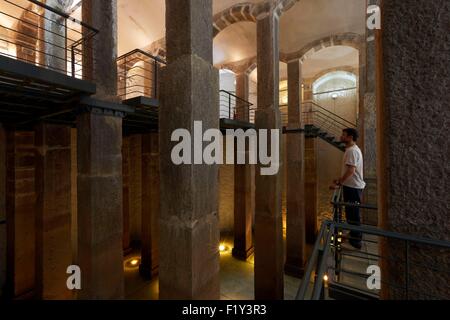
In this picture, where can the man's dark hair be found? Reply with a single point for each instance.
(352, 133)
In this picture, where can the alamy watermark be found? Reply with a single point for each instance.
(374, 19)
(207, 147)
(374, 279)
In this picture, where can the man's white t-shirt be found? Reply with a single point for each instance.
(353, 157)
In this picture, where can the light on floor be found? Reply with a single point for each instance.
(222, 248)
(134, 262)
(325, 278)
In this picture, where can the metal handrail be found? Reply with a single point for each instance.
(330, 227)
(143, 53)
(235, 106)
(301, 293)
(149, 73)
(334, 228)
(71, 48)
(328, 111)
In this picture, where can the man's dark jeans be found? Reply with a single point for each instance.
(352, 195)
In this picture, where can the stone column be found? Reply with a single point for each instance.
(311, 189)
(53, 211)
(295, 216)
(126, 194)
(100, 54)
(20, 213)
(100, 250)
(244, 183)
(244, 208)
(53, 36)
(26, 38)
(135, 189)
(189, 224)
(242, 91)
(413, 130)
(150, 205)
(269, 283)
(362, 73)
(73, 187)
(370, 122)
(2, 210)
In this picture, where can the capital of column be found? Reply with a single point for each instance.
(276, 7)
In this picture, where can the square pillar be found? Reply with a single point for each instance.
(2, 210)
(150, 205)
(189, 222)
(295, 216)
(311, 189)
(53, 211)
(242, 92)
(100, 241)
(100, 53)
(20, 213)
(244, 208)
(370, 123)
(126, 195)
(135, 190)
(269, 255)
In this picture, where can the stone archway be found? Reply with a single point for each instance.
(348, 39)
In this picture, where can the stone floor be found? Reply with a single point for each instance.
(237, 276)
(236, 279)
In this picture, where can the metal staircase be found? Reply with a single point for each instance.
(320, 123)
(336, 270)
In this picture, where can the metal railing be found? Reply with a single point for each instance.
(413, 265)
(319, 117)
(138, 75)
(235, 108)
(36, 33)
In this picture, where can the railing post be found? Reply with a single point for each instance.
(125, 78)
(155, 80)
(73, 61)
(229, 107)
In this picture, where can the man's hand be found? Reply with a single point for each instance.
(335, 185)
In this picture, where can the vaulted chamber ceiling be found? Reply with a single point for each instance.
(142, 22)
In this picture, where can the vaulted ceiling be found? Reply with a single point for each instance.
(142, 22)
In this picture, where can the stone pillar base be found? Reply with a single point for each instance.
(148, 272)
(242, 254)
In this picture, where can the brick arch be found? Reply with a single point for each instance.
(349, 39)
(322, 73)
(242, 12)
(247, 12)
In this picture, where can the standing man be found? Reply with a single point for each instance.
(352, 181)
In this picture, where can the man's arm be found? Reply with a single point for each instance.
(348, 173)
